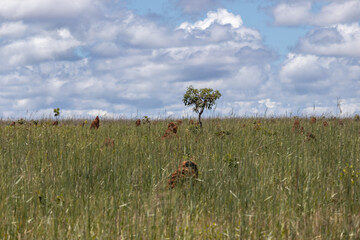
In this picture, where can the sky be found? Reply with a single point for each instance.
(135, 58)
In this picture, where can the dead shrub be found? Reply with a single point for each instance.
(96, 123)
(186, 171)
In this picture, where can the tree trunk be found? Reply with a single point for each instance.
(201, 112)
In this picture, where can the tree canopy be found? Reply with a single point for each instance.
(201, 99)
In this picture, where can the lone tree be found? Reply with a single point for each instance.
(201, 99)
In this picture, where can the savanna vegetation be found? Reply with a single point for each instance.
(269, 178)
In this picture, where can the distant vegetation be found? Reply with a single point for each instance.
(273, 178)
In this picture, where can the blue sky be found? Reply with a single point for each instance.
(131, 58)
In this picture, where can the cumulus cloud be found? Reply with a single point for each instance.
(318, 78)
(12, 29)
(341, 40)
(221, 26)
(130, 30)
(324, 65)
(47, 46)
(191, 7)
(221, 16)
(126, 63)
(117, 62)
(40, 9)
(301, 13)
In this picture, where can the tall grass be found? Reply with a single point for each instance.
(258, 179)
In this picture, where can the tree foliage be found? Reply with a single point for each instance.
(201, 99)
(56, 112)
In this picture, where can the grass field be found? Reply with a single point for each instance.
(258, 179)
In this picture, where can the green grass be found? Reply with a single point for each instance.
(256, 181)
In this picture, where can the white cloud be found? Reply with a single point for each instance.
(132, 30)
(220, 26)
(118, 62)
(19, 9)
(13, 29)
(47, 46)
(341, 40)
(134, 65)
(292, 13)
(222, 17)
(190, 6)
(320, 78)
(301, 13)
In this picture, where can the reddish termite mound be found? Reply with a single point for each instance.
(297, 128)
(170, 131)
(138, 122)
(310, 136)
(108, 142)
(185, 171)
(96, 123)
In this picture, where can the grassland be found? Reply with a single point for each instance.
(258, 179)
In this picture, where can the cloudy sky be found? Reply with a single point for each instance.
(131, 58)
